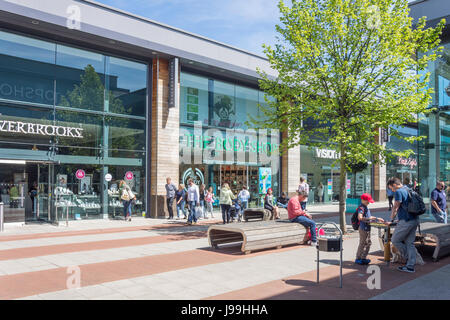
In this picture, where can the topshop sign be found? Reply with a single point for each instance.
(40, 129)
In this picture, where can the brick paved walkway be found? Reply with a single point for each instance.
(160, 259)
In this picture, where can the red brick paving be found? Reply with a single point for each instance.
(32, 283)
(304, 287)
(21, 253)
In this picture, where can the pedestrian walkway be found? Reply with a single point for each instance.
(165, 259)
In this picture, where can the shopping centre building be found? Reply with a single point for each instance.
(91, 95)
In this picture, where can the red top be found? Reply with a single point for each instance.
(294, 208)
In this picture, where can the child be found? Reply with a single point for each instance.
(364, 218)
(209, 199)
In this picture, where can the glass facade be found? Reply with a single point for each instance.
(65, 110)
(322, 173)
(434, 150)
(216, 144)
(406, 169)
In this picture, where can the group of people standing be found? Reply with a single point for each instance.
(201, 199)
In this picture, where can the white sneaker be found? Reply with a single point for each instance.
(313, 244)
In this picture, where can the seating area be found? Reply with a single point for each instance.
(257, 235)
(439, 235)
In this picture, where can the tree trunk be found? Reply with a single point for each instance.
(342, 192)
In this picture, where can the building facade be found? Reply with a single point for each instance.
(91, 95)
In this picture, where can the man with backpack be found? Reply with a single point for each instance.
(408, 207)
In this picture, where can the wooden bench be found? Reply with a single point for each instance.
(438, 233)
(257, 235)
(257, 214)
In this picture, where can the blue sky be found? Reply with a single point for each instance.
(245, 24)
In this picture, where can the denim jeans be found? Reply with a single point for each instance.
(244, 205)
(169, 202)
(126, 208)
(209, 208)
(192, 216)
(180, 207)
(202, 205)
(307, 223)
(280, 205)
(225, 212)
(403, 239)
(440, 217)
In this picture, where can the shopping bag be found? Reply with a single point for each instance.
(321, 233)
(198, 212)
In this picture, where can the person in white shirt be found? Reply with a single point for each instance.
(244, 196)
(193, 198)
(303, 187)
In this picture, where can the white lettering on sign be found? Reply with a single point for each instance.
(410, 162)
(327, 154)
(40, 129)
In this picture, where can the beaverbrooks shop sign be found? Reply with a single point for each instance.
(40, 129)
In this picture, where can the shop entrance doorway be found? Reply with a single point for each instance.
(25, 190)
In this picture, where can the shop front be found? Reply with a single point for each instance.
(322, 172)
(216, 144)
(72, 125)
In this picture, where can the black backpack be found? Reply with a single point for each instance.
(416, 206)
(354, 220)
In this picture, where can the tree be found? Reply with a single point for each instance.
(350, 68)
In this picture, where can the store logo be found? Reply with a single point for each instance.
(327, 154)
(410, 162)
(196, 176)
(129, 175)
(40, 129)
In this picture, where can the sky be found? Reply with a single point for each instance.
(245, 24)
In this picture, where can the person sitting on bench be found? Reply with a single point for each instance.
(297, 214)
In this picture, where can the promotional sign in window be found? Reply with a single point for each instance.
(330, 186)
(348, 186)
(265, 179)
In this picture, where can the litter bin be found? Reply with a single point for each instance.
(329, 243)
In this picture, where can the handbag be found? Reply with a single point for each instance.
(125, 195)
(131, 194)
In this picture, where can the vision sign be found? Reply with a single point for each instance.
(40, 129)
(327, 154)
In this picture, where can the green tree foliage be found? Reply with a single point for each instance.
(350, 67)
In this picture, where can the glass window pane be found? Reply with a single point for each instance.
(224, 105)
(127, 83)
(18, 128)
(126, 137)
(26, 69)
(194, 99)
(80, 81)
(246, 104)
(91, 133)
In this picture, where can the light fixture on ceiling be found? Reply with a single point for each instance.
(154, 53)
(191, 62)
(111, 41)
(7, 161)
(34, 22)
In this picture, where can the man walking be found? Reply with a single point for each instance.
(171, 189)
(193, 198)
(405, 231)
(297, 214)
(439, 203)
(303, 186)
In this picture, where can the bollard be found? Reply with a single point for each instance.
(1, 216)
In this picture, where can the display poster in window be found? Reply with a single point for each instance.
(224, 111)
(349, 185)
(85, 185)
(359, 186)
(61, 180)
(265, 180)
(192, 105)
(330, 186)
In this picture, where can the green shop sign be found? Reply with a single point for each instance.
(230, 144)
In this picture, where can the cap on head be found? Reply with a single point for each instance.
(367, 197)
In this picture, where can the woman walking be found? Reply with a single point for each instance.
(225, 200)
(180, 195)
(127, 197)
(202, 200)
(268, 204)
(209, 199)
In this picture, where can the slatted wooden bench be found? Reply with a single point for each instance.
(257, 214)
(438, 233)
(257, 235)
